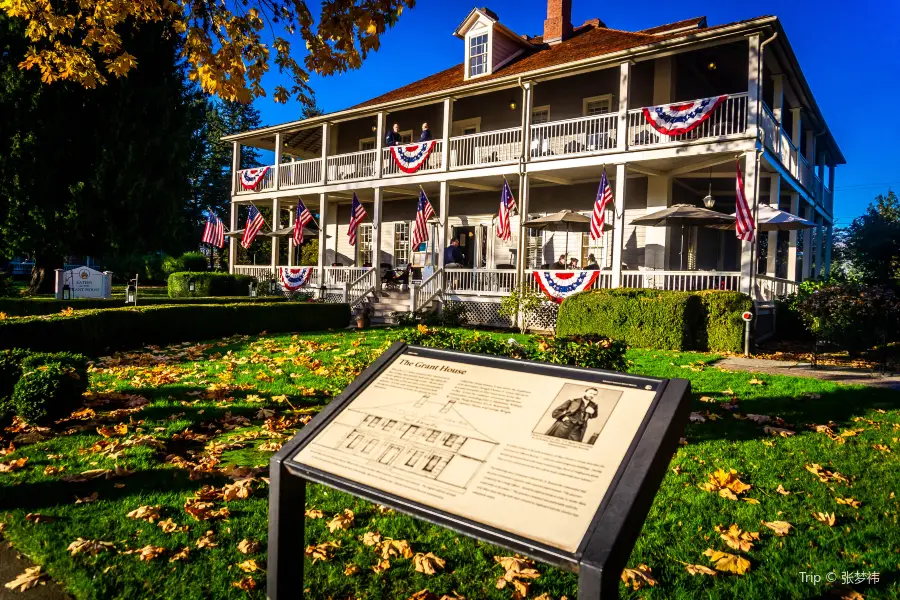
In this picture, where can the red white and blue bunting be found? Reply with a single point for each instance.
(294, 278)
(560, 285)
(250, 178)
(411, 157)
(682, 117)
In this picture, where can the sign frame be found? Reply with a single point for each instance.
(607, 544)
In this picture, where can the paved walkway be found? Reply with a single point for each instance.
(13, 564)
(805, 369)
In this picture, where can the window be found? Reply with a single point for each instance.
(431, 464)
(598, 105)
(450, 440)
(401, 244)
(599, 248)
(370, 446)
(355, 442)
(364, 244)
(432, 436)
(375, 421)
(406, 137)
(389, 455)
(413, 429)
(478, 55)
(414, 458)
(540, 114)
(367, 144)
(534, 248)
(389, 425)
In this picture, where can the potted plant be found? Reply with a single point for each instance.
(363, 313)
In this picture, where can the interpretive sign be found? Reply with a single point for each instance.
(83, 282)
(557, 462)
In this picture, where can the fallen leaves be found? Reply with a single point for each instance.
(39, 518)
(638, 577)
(246, 584)
(314, 513)
(699, 570)
(13, 464)
(388, 548)
(371, 538)
(780, 489)
(351, 569)
(148, 552)
(145, 513)
(27, 580)
(518, 571)
(342, 520)
(778, 431)
(324, 551)
(428, 563)
(205, 511)
(249, 566)
(181, 555)
(91, 547)
(246, 546)
(207, 540)
(848, 502)
(736, 538)
(170, 526)
(826, 518)
(727, 563)
(781, 528)
(728, 485)
(826, 475)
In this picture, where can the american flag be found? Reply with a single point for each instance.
(744, 216)
(214, 231)
(302, 217)
(357, 214)
(507, 205)
(424, 211)
(254, 224)
(604, 197)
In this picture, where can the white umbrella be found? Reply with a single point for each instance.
(769, 218)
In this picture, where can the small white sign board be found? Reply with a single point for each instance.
(84, 282)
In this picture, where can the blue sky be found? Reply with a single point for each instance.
(849, 52)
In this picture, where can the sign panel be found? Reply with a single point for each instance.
(525, 452)
(85, 282)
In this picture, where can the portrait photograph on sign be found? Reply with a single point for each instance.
(494, 445)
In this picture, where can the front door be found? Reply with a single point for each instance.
(466, 237)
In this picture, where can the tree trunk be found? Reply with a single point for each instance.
(42, 275)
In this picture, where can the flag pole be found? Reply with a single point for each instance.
(310, 213)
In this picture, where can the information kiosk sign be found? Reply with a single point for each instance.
(556, 462)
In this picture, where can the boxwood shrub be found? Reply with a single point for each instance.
(208, 284)
(40, 387)
(724, 327)
(25, 307)
(95, 332)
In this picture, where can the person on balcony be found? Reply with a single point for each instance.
(426, 134)
(393, 136)
(573, 264)
(453, 255)
(592, 264)
(560, 264)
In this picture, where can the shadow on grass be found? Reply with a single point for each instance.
(887, 582)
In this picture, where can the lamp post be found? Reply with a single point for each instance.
(252, 288)
(66, 292)
(131, 291)
(192, 285)
(273, 287)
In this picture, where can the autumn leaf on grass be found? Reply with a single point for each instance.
(849, 502)
(90, 546)
(269, 447)
(146, 513)
(756, 381)
(390, 547)
(843, 592)
(384, 565)
(13, 465)
(517, 569)
(249, 566)
(428, 563)
(699, 570)
(728, 563)
(27, 580)
(314, 513)
(53, 470)
(147, 553)
(246, 546)
(697, 418)
(423, 595)
(761, 419)
(181, 555)
(778, 431)
(827, 518)
(782, 491)
(736, 538)
(726, 484)
(371, 538)
(826, 475)
(639, 577)
(170, 526)
(246, 584)
(882, 447)
(781, 528)
(343, 520)
(264, 413)
(324, 551)
(350, 569)
(116, 430)
(239, 490)
(39, 518)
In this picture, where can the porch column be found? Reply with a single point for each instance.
(448, 128)
(811, 148)
(754, 96)
(323, 219)
(527, 106)
(326, 134)
(379, 143)
(796, 132)
(618, 225)
(276, 225)
(656, 239)
(807, 246)
(774, 195)
(622, 128)
(376, 237)
(829, 240)
(747, 255)
(778, 98)
(235, 166)
(232, 241)
(443, 233)
(292, 213)
(522, 243)
(278, 147)
(792, 240)
(820, 243)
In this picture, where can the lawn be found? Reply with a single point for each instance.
(215, 412)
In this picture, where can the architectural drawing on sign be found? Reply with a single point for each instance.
(422, 438)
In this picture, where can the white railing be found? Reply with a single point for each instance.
(480, 282)
(266, 183)
(489, 148)
(422, 294)
(769, 288)
(806, 175)
(261, 272)
(574, 136)
(352, 166)
(769, 126)
(728, 118)
(603, 281)
(300, 173)
(358, 289)
(828, 200)
(338, 275)
(432, 163)
(687, 281)
(787, 152)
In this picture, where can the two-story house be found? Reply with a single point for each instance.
(548, 114)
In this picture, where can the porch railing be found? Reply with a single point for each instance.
(769, 288)
(422, 294)
(687, 281)
(583, 135)
(603, 281)
(432, 163)
(352, 166)
(261, 272)
(728, 118)
(300, 173)
(769, 126)
(480, 282)
(265, 184)
(338, 275)
(358, 289)
(787, 152)
(488, 148)
(806, 175)
(827, 200)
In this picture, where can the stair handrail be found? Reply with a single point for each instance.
(425, 292)
(361, 287)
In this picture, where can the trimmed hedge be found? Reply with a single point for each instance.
(94, 332)
(208, 284)
(661, 319)
(27, 307)
(40, 388)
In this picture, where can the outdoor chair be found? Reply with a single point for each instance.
(392, 279)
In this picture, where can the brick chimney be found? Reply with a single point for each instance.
(558, 25)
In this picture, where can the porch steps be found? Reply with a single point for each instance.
(385, 303)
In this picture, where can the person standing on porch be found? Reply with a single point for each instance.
(573, 264)
(426, 134)
(560, 264)
(592, 264)
(393, 136)
(453, 254)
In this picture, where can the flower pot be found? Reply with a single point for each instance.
(362, 321)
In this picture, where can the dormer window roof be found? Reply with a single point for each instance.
(488, 44)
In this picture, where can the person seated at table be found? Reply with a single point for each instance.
(393, 136)
(453, 254)
(592, 264)
(426, 134)
(560, 264)
(573, 264)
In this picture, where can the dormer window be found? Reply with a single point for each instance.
(478, 55)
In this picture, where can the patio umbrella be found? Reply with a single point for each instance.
(769, 218)
(564, 220)
(288, 231)
(684, 214)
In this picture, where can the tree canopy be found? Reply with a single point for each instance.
(869, 249)
(228, 45)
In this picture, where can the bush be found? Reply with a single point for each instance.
(39, 387)
(31, 306)
(148, 267)
(10, 371)
(194, 261)
(309, 253)
(94, 332)
(208, 284)
(522, 303)
(724, 330)
(7, 289)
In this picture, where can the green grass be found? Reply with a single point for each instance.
(680, 526)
